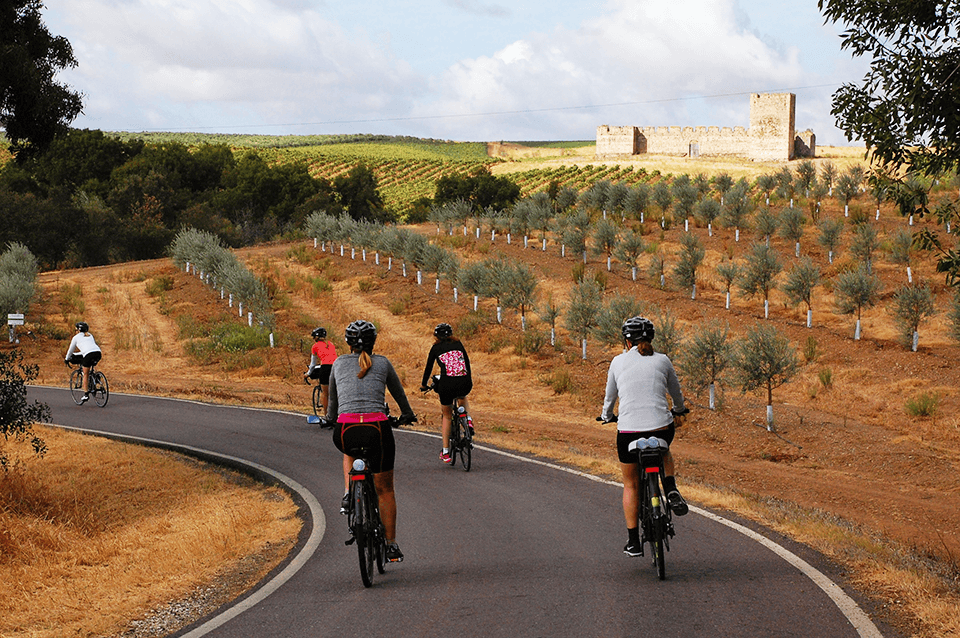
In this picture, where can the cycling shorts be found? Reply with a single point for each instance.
(322, 373)
(624, 439)
(451, 388)
(86, 360)
(375, 438)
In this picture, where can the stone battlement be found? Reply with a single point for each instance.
(771, 135)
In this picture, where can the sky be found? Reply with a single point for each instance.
(463, 70)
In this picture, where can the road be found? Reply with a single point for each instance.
(513, 547)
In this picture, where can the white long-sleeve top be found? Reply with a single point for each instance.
(641, 383)
(82, 342)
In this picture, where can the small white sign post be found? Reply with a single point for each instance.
(14, 319)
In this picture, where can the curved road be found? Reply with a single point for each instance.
(512, 548)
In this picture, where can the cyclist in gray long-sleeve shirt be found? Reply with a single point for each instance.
(358, 385)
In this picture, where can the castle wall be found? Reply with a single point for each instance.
(770, 137)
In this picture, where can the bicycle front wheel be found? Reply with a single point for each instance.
(465, 443)
(101, 389)
(317, 404)
(361, 532)
(76, 385)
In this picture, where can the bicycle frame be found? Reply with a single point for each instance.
(363, 521)
(655, 515)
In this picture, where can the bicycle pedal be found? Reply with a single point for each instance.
(349, 541)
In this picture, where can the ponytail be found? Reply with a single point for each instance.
(365, 363)
(645, 348)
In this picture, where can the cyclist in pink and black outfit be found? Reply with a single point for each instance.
(455, 380)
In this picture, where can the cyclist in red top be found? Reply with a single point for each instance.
(455, 380)
(322, 356)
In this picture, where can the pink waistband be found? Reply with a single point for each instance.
(361, 417)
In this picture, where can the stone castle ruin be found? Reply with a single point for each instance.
(771, 136)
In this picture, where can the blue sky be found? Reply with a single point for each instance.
(475, 70)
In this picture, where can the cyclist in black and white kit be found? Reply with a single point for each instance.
(85, 352)
(641, 379)
(358, 385)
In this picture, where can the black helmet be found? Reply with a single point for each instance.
(443, 331)
(319, 333)
(82, 326)
(637, 329)
(361, 334)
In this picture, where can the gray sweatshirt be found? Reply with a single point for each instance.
(350, 395)
(641, 383)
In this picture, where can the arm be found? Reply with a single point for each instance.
(466, 361)
(431, 359)
(673, 387)
(610, 398)
(73, 347)
(396, 391)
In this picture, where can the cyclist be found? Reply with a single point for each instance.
(358, 385)
(641, 379)
(455, 380)
(322, 355)
(85, 352)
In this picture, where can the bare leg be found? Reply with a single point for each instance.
(86, 380)
(388, 504)
(447, 424)
(631, 494)
(347, 466)
(324, 396)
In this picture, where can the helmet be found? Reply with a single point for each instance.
(361, 333)
(443, 330)
(319, 333)
(637, 329)
(82, 326)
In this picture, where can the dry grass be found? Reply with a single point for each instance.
(100, 532)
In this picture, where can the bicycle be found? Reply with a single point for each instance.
(98, 385)
(656, 517)
(461, 435)
(317, 394)
(363, 516)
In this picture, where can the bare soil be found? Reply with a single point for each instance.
(849, 451)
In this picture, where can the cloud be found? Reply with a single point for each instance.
(479, 8)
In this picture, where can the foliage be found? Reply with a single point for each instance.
(17, 416)
(18, 279)
(864, 244)
(614, 313)
(792, 221)
(706, 356)
(954, 316)
(764, 360)
(801, 280)
(855, 290)
(668, 337)
(481, 188)
(34, 107)
(924, 404)
(831, 231)
(900, 245)
(911, 305)
(760, 272)
(692, 253)
(583, 309)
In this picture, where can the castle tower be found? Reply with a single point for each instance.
(772, 126)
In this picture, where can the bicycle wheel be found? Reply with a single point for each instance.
(101, 389)
(381, 546)
(657, 527)
(465, 443)
(317, 404)
(361, 533)
(76, 385)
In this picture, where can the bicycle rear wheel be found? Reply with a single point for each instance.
(465, 443)
(317, 404)
(657, 527)
(101, 389)
(361, 532)
(76, 385)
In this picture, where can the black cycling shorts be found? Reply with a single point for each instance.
(322, 373)
(451, 388)
(87, 360)
(375, 438)
(624, 439)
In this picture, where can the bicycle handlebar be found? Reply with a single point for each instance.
(675, 412)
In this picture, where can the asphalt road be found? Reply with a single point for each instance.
(511, 548)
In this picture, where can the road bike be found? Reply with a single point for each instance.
(461, 434)
(656, 517)
(99, 388)
(363, 515)
(317, 394)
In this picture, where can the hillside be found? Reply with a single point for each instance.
(846, 453)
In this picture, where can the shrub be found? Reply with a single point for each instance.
(560, 381)
(924, 404)
(469, 326)
(159, 285)
(531, 342)
(365, 285)
(826, 378)
(810, 349)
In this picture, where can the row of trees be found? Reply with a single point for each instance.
(18, 279)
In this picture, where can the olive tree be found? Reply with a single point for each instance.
(629, 249)
(705, 358)
(690, 259)
(801, 280)
(831, 231)
(760, 274)
(729, 272)
(583, 311)
(764, 360)
(855, 290)
(911, 305)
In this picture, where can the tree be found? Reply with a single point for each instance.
(722, 182)
(806, 175)
(855, 290)
(801, 281)
(691, 256)
(729, 272)
(764, 360)
(629, 249)
(705, 358)
(954, 316)
(34, 108)
(831, 231)
(760, 274)
(606, 237)
(706, 212)
(907, 107)
(792, 221)
(583, 311)
(521, 290)
(481, 189)
(610, 320)
(359, 194)
(17, 416)
(864, 244)
(765, 222)
(911, 305)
